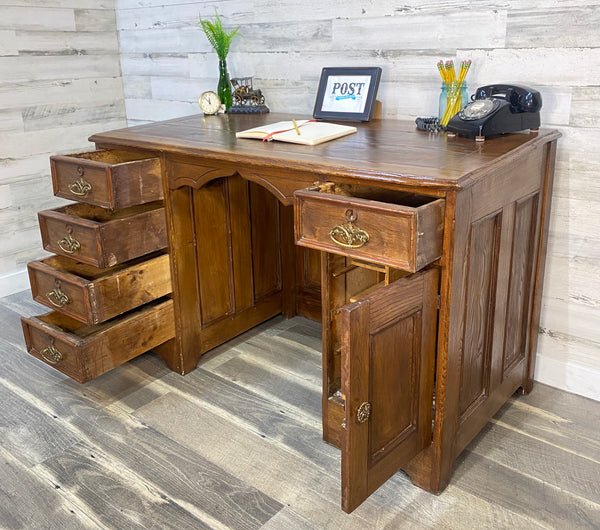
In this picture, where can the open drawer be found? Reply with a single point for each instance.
(395, 228)
(85, 352)
(101, 237)
(107, 178)
(93, 295)
(379, 337)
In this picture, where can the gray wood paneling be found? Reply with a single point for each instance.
(60, 81)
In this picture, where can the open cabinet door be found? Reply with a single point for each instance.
(388, 353)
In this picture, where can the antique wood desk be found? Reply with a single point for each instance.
(422, 255)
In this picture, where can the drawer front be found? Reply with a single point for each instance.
(404, 237)
(110, 179)
(85, 352)
(92, 295)
(100, 237)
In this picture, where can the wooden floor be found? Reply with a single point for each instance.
(237, 444)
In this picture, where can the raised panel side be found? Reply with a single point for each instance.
(213, 244)
(266, 241)
(241, 242)
(394, 367)
(519, 291)
(482, 264)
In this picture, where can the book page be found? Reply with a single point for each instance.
(264, 130)
(311, 132)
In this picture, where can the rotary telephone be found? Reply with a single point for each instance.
(498, 109)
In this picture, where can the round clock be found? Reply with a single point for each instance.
(209, 102)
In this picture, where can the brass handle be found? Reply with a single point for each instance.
(348, 236)
(80, 187)
(51, 355)
(68, 244)
(363, 412)
(57, 298)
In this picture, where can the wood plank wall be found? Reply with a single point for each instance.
(551, 45)
(60, 81)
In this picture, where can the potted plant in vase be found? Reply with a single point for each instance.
(220, 40)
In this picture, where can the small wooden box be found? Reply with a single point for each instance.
(402, 230)
(93, 295)
(84, 352)
(103, 238)
(107, 178)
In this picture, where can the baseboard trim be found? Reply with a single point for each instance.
(14, 282)
(573, 378)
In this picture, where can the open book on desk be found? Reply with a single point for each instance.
(307, 132)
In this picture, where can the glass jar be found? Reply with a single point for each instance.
(453, 97)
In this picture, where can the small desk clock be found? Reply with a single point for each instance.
(209, 102)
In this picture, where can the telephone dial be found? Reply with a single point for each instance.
(498, 109)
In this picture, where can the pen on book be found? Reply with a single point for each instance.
(296, 127)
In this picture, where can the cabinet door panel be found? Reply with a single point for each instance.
(388, 352)
(213, 256)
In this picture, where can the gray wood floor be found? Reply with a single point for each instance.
(237, 444)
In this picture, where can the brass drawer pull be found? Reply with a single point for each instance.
(57, 298)
(68, 244)
(80, 187)
(348, 236)
(51, 355)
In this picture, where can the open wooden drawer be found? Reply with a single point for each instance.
(84, 352)
(108, 178)
(395, 228)
(379, 337)
(101, 237)
(93, 295)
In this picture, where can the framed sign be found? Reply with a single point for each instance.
(347, 93)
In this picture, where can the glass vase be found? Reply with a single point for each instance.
(224, 86)
(453, 97)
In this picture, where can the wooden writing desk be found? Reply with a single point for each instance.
(422, 255)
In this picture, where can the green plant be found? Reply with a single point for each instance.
(219, 39)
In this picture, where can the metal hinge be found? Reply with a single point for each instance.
(438, 301)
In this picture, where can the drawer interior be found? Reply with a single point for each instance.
(64, 323)
(102, 215)
(110, 156)
(90, 272)
(358, 191)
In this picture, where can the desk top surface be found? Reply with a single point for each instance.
(390, 150)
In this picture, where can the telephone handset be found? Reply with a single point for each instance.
(498, 109)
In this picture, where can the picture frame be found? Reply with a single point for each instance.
(347, 93)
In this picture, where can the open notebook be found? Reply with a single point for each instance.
(311, 132)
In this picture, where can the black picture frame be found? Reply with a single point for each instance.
(347, 93)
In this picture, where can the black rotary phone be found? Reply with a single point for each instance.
(498, 109)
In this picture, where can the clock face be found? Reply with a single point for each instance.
(209, 102)
(478, 109)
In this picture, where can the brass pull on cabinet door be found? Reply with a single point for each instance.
(363, 412)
